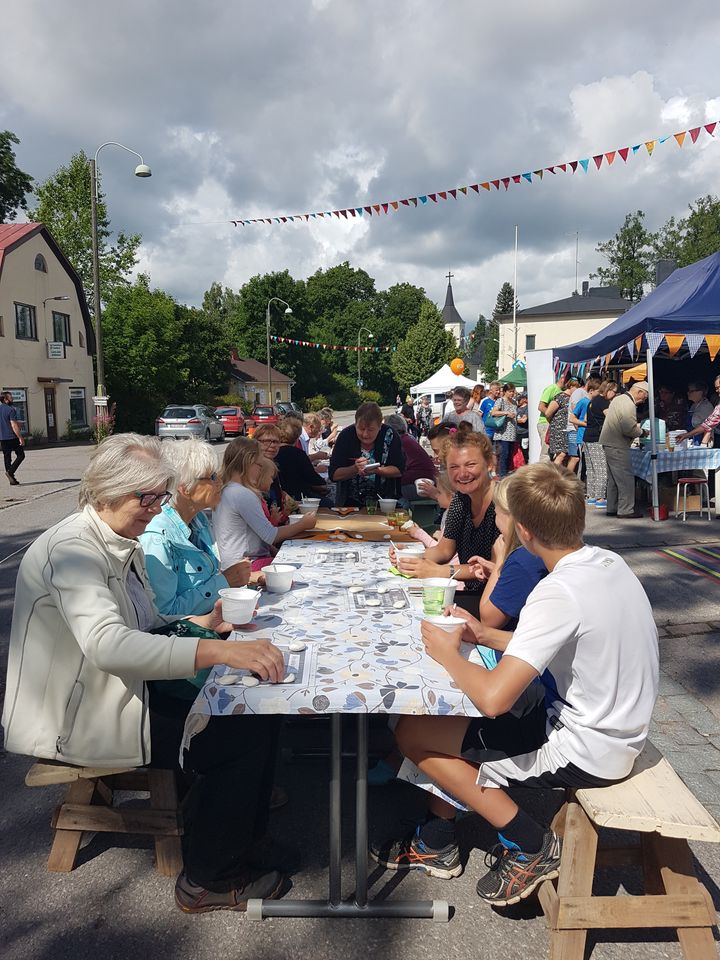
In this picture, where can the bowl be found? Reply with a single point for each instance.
(445, 623)
(279, 577)
(238, 604)
(387, 505)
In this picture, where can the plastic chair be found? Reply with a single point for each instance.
(686, 482)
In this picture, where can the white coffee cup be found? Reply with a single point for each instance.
(238, 604)
(279, 577)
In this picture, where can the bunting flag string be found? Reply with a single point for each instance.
(654, 342)
(314, 345)
(694, 341)
(384, 208)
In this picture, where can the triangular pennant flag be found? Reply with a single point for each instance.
(636, 148)
(610, 157)
(485, 186)
(442, 194)
(631, 349)
(674, 342)
(694, 341)
(710, 127)
(650, 146)
(694, 133)
(453, 194)
(539, 173)
(385, 207)
(638, 344)
(405, 203)
(376, 207)
(359, 211)
(623, 151)
(344, 213)
(463, 190)
(351, 211)
(585, 164)
(433, 197)
(506, 182)
(516, 178)
(563, 167)
(713, 344)
(598, 158)
(550, 169)
(394, 204)
(336, 212)
(413, 201)
(528, 177)
(680, 137)
(368, 211)
(653, 342)
(476, 187)
(663, 139)
(574, 165)
(423, 199)
(496, 184)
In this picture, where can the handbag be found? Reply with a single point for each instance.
(495, 423)
(518, 460)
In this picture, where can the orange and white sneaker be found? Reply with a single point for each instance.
(411, 853)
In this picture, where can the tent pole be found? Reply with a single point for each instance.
(653, 436)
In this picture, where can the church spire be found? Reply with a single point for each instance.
(451, 318)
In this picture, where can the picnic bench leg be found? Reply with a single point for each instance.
(678, 876)
(577, 868)
(66, 843)
(361, 822)
(163, 796)
(335, 859)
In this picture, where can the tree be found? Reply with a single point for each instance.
(425, 348)
(474, 349)
(700, 231)
(64, 208)
(503, 307)
(629, 257)
(208, 356)
(14, 184)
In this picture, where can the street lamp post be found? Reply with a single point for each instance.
(141, 170)
(267, 332)
(370, 337)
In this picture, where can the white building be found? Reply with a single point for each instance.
(46, 336)
(560, 322)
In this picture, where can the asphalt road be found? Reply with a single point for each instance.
(115, 905)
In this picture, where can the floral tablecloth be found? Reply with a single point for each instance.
(364, 652)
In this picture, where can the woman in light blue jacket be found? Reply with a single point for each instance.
(180, 554)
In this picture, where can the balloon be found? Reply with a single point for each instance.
(457, 366)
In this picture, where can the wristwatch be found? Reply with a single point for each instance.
(453, 568)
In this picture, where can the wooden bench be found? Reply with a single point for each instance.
(655, 802)
(88, 806)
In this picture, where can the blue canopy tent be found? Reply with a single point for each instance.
(680, 317)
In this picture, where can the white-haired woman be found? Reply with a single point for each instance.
(180, 555)
(82, 649)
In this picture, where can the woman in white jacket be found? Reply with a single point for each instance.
(81, 653)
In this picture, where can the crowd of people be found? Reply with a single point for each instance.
(117, 621)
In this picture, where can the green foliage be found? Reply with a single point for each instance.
(318, 402)
(232, 400)
(474, 343)
(426, 347)
(629, 257)
(343, 393)
(371, 396)
(700, 231)
(503, 307)
(14, 184)
(64, 208)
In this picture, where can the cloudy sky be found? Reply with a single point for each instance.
(285, 106)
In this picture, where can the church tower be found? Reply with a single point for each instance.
(451, 318)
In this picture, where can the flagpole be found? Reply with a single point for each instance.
(515, 327)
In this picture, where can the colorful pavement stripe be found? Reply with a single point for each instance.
(703, 560)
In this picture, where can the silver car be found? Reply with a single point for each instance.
(181, 421)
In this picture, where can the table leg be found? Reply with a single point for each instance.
(361, 820)
(335, 871)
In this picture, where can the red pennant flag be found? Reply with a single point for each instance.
(550, 169)
(516, 178)
(368, 211)
(598, 160)
(337, 213)
(680, 137)
(710, 127)
(573, 164)
(394, 204)
(476, 187)
(352, 211)
(433, 197)
(485, 186)
(496, 184)
(385, 207)
(284, 219)
(563, 167)
(442, 194)
(505, 182)
(376, 208)
(344, 213)
(307, 217)
(453, 194)
(610, 157)
(623, 151)
(694, 133)
(405, 203)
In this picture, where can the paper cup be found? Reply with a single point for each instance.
(438, 593)
(387, 505)
(422, 485)
(279, 577)
(238, 604)
(309, 505)
(445, 623)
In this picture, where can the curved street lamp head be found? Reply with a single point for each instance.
(143, 170)
(371, 336)
(288, 310)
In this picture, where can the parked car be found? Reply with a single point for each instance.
(262, 414)
(180, 421)
(233, 419)
(288, 406)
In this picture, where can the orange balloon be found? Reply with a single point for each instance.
(457, 366)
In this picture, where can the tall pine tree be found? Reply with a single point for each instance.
(425, 348)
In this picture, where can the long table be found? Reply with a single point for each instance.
(363, 656)
(678, 460)
(360, 525)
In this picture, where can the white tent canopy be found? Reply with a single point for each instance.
(442, 381)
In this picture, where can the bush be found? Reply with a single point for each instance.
(371, 396)
(36, 436)
(313, 404)
(233, 400)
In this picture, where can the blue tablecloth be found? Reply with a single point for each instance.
(691, 458)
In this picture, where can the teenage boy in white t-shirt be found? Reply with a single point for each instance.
(587, 630)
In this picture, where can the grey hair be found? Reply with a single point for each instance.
(398, 423)
(192, 460)
(122, 464)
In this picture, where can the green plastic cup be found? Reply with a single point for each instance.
(438, 593)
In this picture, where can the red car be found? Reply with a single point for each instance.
(263, 414)
(232, 419)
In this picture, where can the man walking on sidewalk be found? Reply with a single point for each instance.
(11, 439)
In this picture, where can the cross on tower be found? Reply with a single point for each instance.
(450, 276)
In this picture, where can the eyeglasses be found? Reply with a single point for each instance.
(150, 499)
(212, 478)
(268, 442)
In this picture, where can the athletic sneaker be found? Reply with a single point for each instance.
(590, 503)
(513, 874)
(256, 885)
(411, 853)
(601, 504)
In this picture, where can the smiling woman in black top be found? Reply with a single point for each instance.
(470, 529)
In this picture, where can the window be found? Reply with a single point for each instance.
(530, 341)
(19, 401)
(25, 325)
(40, 263)
(78, 412)
(81, 338)
(61, 327)
(2, 328)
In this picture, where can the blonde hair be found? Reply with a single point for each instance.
(266, 430)
(500, 499)
(467, 438)
(240, 454)
(124, 463)
(550, 502)
(268, 472)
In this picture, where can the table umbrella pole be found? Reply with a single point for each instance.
(653, 438)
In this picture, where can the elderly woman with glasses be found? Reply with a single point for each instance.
(84, 643)
(180, 554)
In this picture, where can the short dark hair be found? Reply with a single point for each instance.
(368, 412)
(461, 392)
